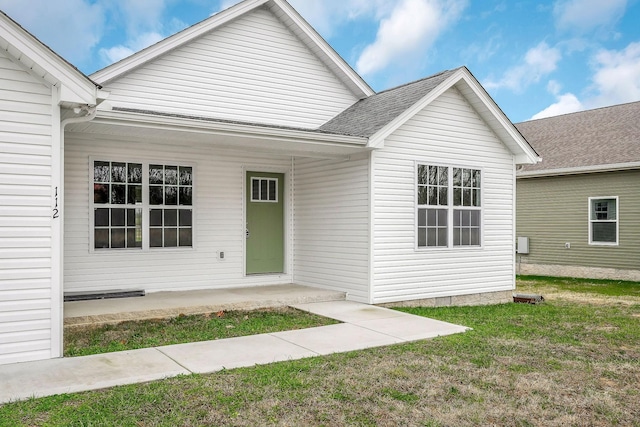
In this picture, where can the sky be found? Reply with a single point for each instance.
(535, 58)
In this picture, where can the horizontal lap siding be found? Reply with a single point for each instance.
(252, 69)
(25, 209)
(218, 210)
(447, 132)
(331, 247)
(552, 211)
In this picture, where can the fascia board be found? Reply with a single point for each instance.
(322, 44)
(614, 167)
(185, 36)
(56, 71)
(527, 154)
(222, 128)
(523, 154)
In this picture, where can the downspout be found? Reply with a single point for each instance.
(58, 213)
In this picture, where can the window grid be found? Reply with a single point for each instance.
(603, 221)
(119, 211)
(264, 190)
(439, 190)
(117, 196)
(170, 200)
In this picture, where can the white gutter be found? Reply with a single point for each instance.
(580, 169)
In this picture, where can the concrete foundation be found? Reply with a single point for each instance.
(485, 298)
(578, 271)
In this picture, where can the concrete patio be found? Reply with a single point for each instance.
(364, 327)
(172, 304)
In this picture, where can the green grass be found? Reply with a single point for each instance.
(593, 286)
(130, 335)
(566, 362)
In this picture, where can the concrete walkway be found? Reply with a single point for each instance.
(364, 326)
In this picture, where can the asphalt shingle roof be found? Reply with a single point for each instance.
(603, 136)
(369, 115)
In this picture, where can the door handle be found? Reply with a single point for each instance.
(247, 233)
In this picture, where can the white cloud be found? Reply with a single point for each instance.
(585, 15)
(617, 76)
(116, 53)
(327, 15)
(412, 27)
(538, 61)
(554, 87)
(72, 28)
(566, 103)
(616, 80)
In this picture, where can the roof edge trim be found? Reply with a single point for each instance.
(174, 41)
(579, 170)
(55, 66)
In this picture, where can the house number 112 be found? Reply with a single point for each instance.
(56, 211)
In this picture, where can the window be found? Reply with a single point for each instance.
(603, 221)
(119, 208)
(170, 213)
(264, 190)
(117, 199)
(448, 196)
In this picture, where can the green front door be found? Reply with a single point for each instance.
(265, 223)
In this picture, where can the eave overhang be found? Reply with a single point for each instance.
(40, 61)
(579, 170)
(232, 135)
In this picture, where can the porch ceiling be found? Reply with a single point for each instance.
(177, 129)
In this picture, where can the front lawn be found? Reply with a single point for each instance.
(571, 361)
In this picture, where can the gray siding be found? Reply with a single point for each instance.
(552, 211)
(25, 215)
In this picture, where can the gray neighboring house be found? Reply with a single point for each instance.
(580, 207)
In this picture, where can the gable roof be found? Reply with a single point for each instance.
(377, 116)
(589, 141)
(43, 63)
(280, 8)
(369, 115)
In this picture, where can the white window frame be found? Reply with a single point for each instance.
(260, 199)
(145, 206)
(450, 208)
(591, 221)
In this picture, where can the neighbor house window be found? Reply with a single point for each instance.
(120, 210)
(603, 221)
(449, 206)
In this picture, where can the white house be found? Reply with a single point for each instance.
(244, 151)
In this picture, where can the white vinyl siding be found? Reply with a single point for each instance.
(253, 69)
(331, 247)
(25, 215)
(218, 203)
(446, 132)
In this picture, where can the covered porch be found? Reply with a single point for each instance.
(172, 304)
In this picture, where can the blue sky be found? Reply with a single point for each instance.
(535, 58)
